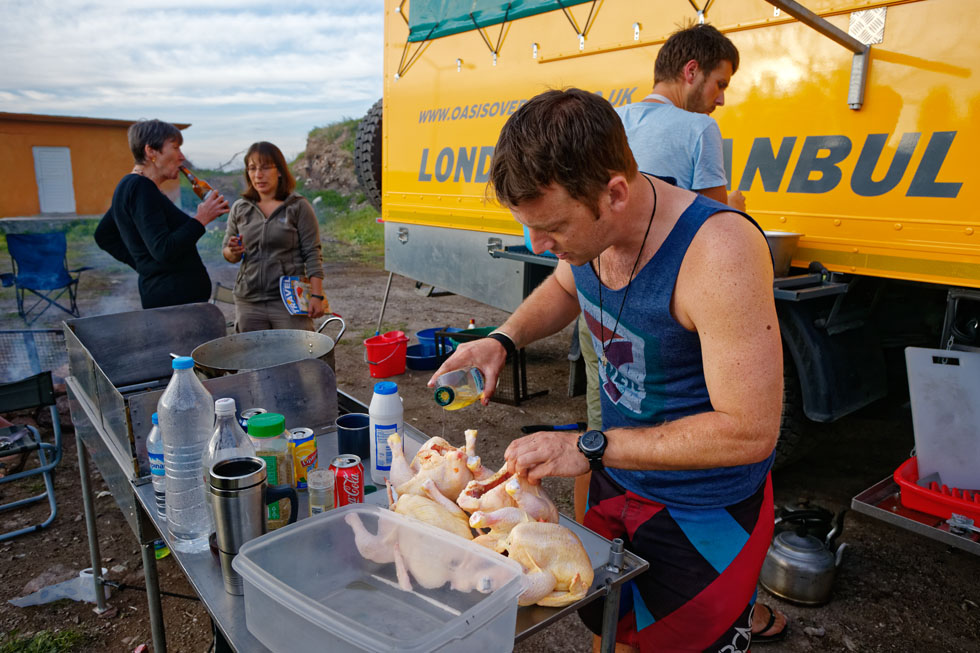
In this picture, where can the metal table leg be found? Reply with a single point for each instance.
(610, 607)
(93, 536)
(153, 598)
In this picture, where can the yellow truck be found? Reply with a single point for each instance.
(855, 123)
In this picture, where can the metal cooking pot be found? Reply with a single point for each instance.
(256, 350)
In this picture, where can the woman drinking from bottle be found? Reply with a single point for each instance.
(273, 231)
(144, 229)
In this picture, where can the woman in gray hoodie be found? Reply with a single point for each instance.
(273, 231)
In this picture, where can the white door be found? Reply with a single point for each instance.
(52, 170)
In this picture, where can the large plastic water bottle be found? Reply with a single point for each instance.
(386, 417)
(154, 450)
(186, 417)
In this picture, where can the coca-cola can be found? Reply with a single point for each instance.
(348, 485)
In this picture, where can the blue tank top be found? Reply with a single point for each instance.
(654, 372)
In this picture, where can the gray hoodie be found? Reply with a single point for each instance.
(286, 243)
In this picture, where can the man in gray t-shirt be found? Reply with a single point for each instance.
(670, 131)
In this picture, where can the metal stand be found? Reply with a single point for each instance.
(153, 601)
(93, 536)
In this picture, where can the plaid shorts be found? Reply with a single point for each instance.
(698, 593)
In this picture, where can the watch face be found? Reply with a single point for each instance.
(593, 440)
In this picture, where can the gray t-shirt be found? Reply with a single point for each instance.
(672, 142)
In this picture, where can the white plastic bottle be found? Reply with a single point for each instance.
(386, 417)
(154, 450)
(228, 440)
(186, 417)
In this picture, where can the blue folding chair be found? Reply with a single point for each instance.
(32, 392)
(40, 265)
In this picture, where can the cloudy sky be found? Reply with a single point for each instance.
(238, 70)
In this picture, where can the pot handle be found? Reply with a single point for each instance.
(334, 317)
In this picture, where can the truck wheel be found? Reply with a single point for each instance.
(794, 430)
(367, 154)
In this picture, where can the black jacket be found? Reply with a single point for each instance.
(144, 230)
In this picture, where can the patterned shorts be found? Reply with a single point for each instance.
(698, 593)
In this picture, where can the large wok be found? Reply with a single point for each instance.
(260, 349)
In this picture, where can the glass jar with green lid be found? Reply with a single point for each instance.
(268, 434)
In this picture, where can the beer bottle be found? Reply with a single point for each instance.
(201, 188)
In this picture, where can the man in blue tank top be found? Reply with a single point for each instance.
(677, 290)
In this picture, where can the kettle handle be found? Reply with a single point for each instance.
(800, 515)
(838, 528)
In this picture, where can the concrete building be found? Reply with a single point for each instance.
(51, 165)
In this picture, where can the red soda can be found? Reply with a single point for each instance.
(348, 474)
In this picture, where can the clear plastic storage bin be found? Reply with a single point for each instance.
(309, 588)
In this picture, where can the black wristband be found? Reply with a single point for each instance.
(504, 340)
(316, 296)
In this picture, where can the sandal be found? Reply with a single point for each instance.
(762, 638)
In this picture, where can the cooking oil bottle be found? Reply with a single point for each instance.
(459, 388)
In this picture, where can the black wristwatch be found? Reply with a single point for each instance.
(592, 444)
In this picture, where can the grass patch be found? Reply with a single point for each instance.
(344, 129)
(45, 641)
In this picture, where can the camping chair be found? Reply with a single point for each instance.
(41, 268)
(32, 392)
(225, 295)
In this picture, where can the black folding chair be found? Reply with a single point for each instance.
(32, 392)
(40, 266)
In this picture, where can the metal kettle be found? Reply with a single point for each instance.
(800, 567)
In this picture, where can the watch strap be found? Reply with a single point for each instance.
(504, 340)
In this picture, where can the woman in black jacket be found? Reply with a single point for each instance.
(144, 229)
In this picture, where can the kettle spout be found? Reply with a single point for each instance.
(839, 555)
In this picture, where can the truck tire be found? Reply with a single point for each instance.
(367, 154)
(795, 438)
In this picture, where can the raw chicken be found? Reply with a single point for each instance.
(499, 522)
(413, 556)
(473, 462)
(437, 460)
(434, 509)
(556, 567)
(504, 490)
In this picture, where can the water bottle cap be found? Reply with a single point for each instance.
(224, 406)
(266, 425)
(183, 363)
(155, 419)
(385, 388)
(444, 395)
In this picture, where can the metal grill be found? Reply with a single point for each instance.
(26, 352)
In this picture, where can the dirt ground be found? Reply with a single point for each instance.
(895, 591)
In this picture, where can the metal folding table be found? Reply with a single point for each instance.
(120, 364)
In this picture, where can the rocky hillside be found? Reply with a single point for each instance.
(328, 163)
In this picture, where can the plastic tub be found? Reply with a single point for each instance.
(473, 334)
(308, 588)
(941, 501)
(427, 339)
(418, 359)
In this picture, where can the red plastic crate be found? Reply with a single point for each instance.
(941, 501)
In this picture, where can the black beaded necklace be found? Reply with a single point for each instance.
(602, 330)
